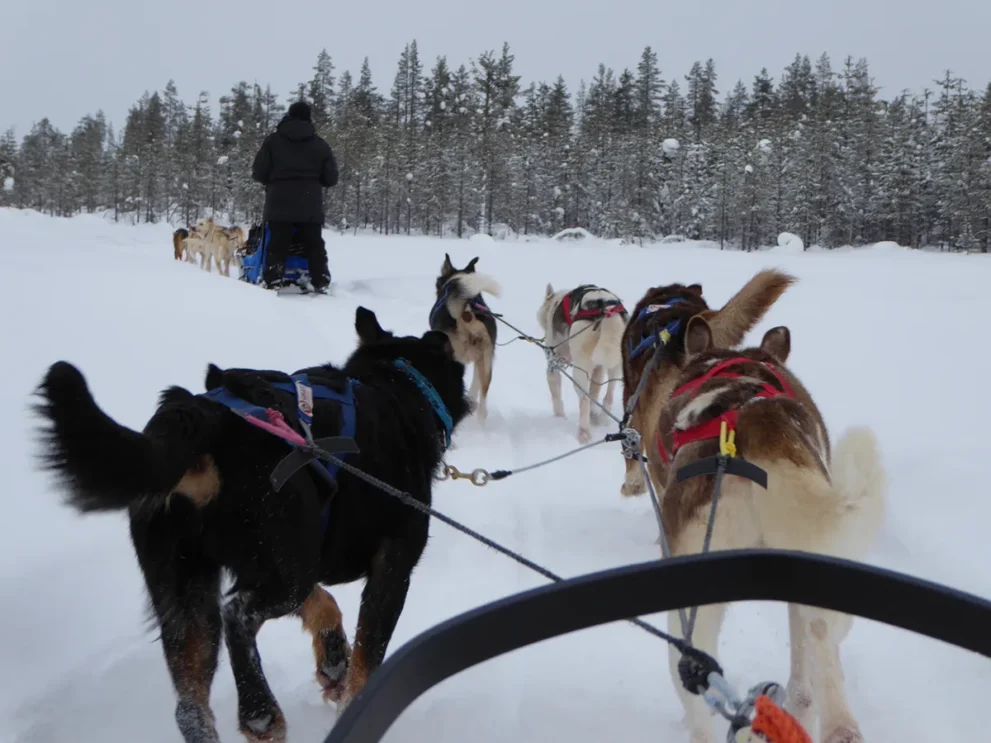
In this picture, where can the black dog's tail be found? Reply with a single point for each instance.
(104, 465)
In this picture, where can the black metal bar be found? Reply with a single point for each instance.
(464, 641)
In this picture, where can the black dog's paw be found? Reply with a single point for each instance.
(332, 667)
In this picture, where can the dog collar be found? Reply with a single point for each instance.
(433, 397)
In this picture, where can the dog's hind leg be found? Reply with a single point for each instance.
(826, 631)
(473, 389)
(382, 602)
(184, 592)
(554, 383)
(554, 378)
(595, 389)
(191, 642)
(614, 375)
(191, 646)
(322, 619)
(800, 692)
(734, 528)
(584, 405)
(484, 367)
(258, 712)
(705, 637)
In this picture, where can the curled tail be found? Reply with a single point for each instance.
(860, 481)
(473, 284)
(103, 465)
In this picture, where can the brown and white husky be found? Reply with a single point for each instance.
(817, 500)
(663, 313)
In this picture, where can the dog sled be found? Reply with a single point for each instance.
(252, 259)
(899, 600)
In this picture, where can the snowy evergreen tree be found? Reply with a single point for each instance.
(463, 148)
(437, 172)
(497, 89)
(320, 93)
(8, 168)
(87, 156)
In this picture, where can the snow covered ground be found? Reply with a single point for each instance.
(885, 337)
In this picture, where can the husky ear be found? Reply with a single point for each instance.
(214, 376)
(777, 343)
(470, 268)
(367, 326)
(698, 336)
(695, 289)
(446, 268)
(550, 291)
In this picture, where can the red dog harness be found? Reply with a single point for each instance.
(710, 428)
(589, 313)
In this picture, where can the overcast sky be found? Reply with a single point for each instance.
(66, 58)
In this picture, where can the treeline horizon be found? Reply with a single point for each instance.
(629, 154)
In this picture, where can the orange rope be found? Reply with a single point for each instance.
(776, 725)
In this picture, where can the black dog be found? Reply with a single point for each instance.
(197, 483)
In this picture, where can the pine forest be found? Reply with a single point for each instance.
(635, 154)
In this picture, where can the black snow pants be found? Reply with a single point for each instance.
(310, 234)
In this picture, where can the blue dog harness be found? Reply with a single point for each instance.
(439, 304)
(305, 449)
(477, 303)
(649, 340)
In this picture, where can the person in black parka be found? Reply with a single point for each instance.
(295, 164)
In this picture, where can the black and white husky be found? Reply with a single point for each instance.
(461, 312)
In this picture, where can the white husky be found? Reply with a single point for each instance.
(585, 326)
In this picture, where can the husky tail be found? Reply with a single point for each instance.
(803, 510)
(468, 285)
(104, 466)
(747, 307)
(861, 483)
